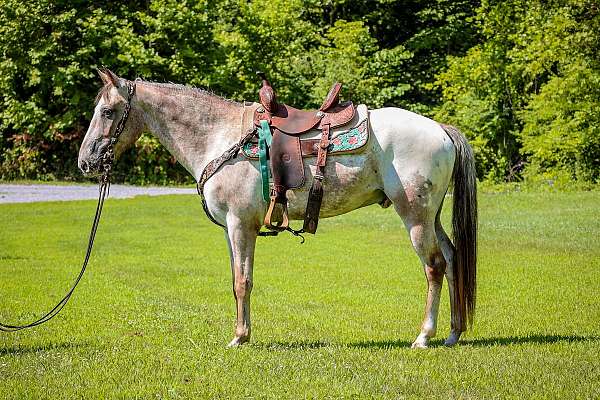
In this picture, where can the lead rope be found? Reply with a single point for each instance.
(103, 191)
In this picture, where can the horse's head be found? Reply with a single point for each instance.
(112, 101)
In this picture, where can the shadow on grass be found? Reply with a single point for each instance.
(20, 349)
(297, 345)
(484, 342)
(300, 345)
(531, 339)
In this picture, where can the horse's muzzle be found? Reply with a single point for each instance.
(89, 168)
(91, 158)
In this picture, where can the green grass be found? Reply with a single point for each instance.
(331, 318)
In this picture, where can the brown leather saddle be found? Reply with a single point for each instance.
(285, 153)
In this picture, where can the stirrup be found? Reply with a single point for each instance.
(276, 218)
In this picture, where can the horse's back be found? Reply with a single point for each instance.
(404, 149)
(407, 133)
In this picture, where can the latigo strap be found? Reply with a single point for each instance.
(315, 196)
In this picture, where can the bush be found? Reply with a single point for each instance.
(529, 95)
(520, 78)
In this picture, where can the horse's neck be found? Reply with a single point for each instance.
(195, 127)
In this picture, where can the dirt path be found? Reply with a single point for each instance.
(10, 193)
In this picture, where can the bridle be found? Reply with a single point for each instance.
(104, 188)
(109, 155)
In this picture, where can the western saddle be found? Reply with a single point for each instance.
(279, 127)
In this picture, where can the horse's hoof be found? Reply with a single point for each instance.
(238, 341)
(452, 339)
(419, 344)
(422, 341)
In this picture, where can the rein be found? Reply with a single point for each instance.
(104, 189)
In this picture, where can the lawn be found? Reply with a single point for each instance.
(331, 318)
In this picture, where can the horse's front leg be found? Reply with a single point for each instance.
(241, 239)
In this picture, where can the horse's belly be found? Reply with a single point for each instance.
(351, 181)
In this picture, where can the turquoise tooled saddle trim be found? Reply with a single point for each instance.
(341, 142)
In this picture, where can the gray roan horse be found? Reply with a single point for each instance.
(409, 161)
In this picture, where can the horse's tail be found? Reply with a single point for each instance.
(464, 226)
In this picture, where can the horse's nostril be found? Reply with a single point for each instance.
(84, 166)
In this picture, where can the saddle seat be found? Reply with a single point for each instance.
(286, 124)
(293, 121)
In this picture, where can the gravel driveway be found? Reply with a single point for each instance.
(10, 193)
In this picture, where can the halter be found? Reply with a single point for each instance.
(104, 185)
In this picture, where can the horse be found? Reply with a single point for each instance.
(409, 161)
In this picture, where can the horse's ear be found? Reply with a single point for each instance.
(109, 77)
(102, 75)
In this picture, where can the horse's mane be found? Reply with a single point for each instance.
(169, 87)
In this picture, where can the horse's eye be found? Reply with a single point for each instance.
(108, 113)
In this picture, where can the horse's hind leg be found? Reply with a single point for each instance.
(241, 240)
(425, 242)
(419, 205)
(448, 250)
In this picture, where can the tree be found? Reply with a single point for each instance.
(528, 94)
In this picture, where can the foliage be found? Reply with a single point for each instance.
(48, 78)
(529, 94)
(520, 78)
(52, 48)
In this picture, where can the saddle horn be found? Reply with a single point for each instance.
(266, 94)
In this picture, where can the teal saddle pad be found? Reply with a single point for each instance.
(348, 141)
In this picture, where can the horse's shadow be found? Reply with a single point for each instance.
(32, 349)
(389, 344)
(484, 342)
(371, 344)
(292, 345)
